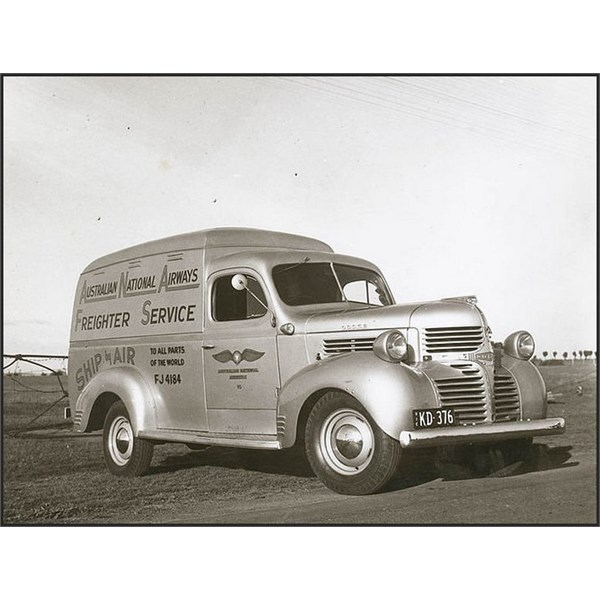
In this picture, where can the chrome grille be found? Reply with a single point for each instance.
(506, 396)
(466, 394)
(348, 345)
(453, 339)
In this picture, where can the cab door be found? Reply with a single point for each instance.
(241, 370)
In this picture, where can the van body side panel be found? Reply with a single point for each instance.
(149, 295)
(145, 313)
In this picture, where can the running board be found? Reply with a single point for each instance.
(212, 439)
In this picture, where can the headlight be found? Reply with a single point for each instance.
(391, 346)
(520, 345)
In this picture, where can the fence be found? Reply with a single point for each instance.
(35, 364)
(41, 365)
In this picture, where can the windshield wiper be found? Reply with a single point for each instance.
(363, 303)
(302, 262)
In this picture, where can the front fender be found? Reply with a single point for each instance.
(130, 386)
(532, 388)
(388, 391)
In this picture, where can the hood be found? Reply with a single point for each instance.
(441, 313)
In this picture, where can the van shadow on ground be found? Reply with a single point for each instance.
(417, 468)
(486, 462)
(284, 462)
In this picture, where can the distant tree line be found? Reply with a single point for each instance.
(577, 355)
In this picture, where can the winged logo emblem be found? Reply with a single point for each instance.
(237, 357)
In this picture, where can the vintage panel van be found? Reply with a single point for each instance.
(259, 339)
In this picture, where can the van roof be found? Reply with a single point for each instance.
(267, 258)
(222, 237)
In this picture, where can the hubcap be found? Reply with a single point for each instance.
(347, 441)
(120, 441)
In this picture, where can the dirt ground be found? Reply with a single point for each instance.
(51, 476)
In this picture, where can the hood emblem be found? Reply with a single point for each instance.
(484, 357)
(237, 357)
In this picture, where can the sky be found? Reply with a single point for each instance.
(451, 185)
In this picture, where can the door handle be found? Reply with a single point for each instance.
(208, 346)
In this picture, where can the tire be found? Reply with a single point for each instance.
(125, 454)
(347, 451)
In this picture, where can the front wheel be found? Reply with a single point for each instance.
(346, 449)
(125, 454)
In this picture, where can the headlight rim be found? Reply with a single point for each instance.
(513, 345)
(381, 346)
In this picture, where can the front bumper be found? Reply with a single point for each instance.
(491, 432)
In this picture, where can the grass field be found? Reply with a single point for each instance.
(51, 476)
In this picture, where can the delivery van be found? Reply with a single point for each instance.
(259, 339)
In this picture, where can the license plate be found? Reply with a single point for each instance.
(428, 418)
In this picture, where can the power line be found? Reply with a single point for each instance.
(529, 94)
(488, 108)
(494, 91)
(532, 139)
(393, 103)
(445, 118)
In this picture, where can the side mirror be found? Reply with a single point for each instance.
(239, 282)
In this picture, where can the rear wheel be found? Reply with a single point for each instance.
(346, 449)
(125, 454)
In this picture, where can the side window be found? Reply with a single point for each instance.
(364, 292)
(229, 304)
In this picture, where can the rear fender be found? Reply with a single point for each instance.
(132, 389)
(388, 391)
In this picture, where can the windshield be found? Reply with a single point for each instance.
(322, 282)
